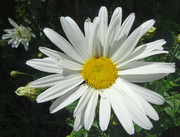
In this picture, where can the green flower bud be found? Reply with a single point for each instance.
(30, 93)
(178, 38)
(150, 34)
(40, 55)
(13, 73)
(114, 123)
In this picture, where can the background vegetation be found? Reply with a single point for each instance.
(20, 117)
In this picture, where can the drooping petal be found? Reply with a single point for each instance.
(90, 110)
(104, 111)
(121, 111)
(82, 102)
(79, 121)
(68, 98)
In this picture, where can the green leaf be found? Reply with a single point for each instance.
(177, 104)
(169, 111)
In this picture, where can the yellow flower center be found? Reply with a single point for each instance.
(99, 73)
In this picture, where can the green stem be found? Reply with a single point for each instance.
(174, 53)
(22, 73)
(177, 80)
(72, 134)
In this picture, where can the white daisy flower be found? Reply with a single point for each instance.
(17, 35)
(104, 63)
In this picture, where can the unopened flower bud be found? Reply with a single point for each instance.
(40, 55)
(13, 73)
(30, 93)
(178, 38)
(150, 34)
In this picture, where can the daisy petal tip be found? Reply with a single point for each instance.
(62, 18)
(28, 63)
(130, 131)
(41, 48)
(39, 99)
(51, 110)
(156, 119)
(103, 8)
(46, 30)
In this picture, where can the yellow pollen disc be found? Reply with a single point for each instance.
(99, 73)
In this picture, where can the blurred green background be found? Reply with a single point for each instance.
(20, 117)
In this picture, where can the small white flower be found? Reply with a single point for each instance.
(102, 62)
(17, 35)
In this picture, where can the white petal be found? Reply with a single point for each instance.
(26, 47)
(110, 34)
(143, 78)
(103, 15)
(125, 28)
(87, 29)
(147, 94)
(45, 64)
(118, 11)
(79, 121)
(127, 46)
(75, 36)
(145, 68)
(93, 38)
(64, 45)
(6, 36)
(90, 110)
(141, 119)
(54, 54)
(68, 98)
(82, 102)
(128, 94)
(70, 65)
(48, 81)
(63, 87)
(144, 51)
(14, 24)
(121, 111)
(134, 106)
(131, 41)
(104, 111)
(62, 60)
(150, 111)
